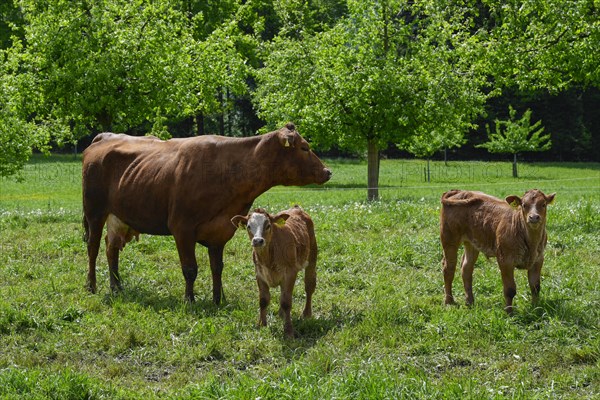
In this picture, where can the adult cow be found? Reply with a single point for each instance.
(189, 188)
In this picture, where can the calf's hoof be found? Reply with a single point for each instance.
(449, 301)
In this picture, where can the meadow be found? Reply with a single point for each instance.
(380, 329)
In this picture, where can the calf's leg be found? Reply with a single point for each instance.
(534, 278)
(509, 285)
(468, 263)
(310, 283)
(449, 269)
(264, 298)
(285, 309)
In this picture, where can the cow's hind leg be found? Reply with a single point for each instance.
(112, 255)
(187, 257)
(93, 236)
(310, 283)
(215, 255)
(449, 269)
(468, 263)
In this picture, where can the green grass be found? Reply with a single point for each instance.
(379, 328)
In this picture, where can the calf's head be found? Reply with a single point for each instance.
(533, 206)
(296, 163)
(259, 225)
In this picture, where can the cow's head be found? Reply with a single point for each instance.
(533, 206)
(296, 164)
(259, 225)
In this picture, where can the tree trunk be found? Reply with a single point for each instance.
(428, 172)
(515, 174)
(373, 171)
(200, 124)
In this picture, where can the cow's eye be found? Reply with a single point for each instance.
(267, 227)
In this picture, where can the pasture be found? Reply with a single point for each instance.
(380, 329)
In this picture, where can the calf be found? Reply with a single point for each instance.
(280, 251)
(513, 231)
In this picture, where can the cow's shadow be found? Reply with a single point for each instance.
(553, 308)
(309, 331)
(160, 301)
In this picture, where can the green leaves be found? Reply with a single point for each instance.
(517, 135)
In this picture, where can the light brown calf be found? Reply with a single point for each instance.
(513, 231)
(279, 253)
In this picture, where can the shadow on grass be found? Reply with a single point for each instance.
(161, 301)
(310, 331)
(555, 309)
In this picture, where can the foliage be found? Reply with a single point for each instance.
(536, 44)
(113, 65)
(380, 328)
(386, 72)
(516, 136)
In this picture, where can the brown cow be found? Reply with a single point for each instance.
(189, 188)
(515, 235)
(280, 252)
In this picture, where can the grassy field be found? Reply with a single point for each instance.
(380, 329)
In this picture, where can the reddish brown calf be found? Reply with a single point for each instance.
(513, 231)
(279, 253)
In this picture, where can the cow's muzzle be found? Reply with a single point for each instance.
(534, 219)
(258, 242)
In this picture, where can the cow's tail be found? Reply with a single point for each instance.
(450, 199)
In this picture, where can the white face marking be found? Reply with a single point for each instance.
(256, 225)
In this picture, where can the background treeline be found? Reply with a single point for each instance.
(357, 77)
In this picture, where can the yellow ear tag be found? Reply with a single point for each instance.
(280, 222)
(287, 143)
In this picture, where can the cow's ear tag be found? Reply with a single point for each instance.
(280, 221)
(287, 142)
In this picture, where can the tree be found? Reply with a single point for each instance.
(372, 78)
(538, 44)
(113, 65)
(515, 136)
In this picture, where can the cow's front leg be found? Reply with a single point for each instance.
(215, 255)
(264, 298)
(189, 266)
(509, 286)
(534, 277)
(285, 304)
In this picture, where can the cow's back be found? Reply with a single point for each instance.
(474, 217)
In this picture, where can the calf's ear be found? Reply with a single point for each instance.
(280, 218)
(514, 201)
(239, 221)
(550, 198)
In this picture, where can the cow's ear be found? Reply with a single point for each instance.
(514, 201)
(280, 218)
(239, 221)
(286, 135)
(550, 198)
